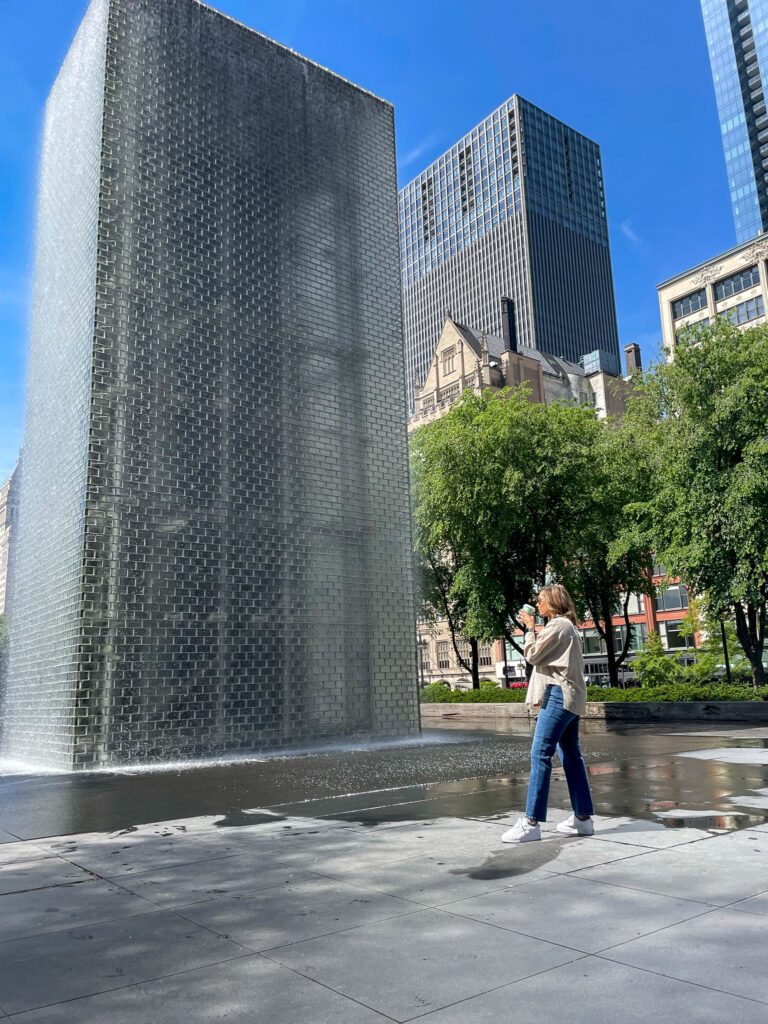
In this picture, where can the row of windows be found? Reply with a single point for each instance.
(689, 303)
(445, 654)
(745, 311)
(739, 314)
(737, 282)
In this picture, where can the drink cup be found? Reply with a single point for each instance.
(529, 609)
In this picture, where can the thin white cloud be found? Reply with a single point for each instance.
(413, 155)
(626, 230)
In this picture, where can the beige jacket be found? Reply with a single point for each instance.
(556, 656)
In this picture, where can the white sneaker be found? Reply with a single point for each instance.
(522, 832)
(574, 826)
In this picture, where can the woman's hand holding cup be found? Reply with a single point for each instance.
(526, 614)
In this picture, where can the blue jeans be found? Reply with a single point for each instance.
(556, 729)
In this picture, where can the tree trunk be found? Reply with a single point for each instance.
(474, 648)
(750, 630)
(610, 646)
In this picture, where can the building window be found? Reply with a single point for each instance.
(636, 606)
(737, 282)
(659, 570)
(639, 636)
(449, 360)
(512, 653)
(486, 656)
(672, 599)
(592, 641)
(689, 304)
(673, 636)
(745, 311)
(443, 654)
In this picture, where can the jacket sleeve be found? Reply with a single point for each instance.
(544, 647)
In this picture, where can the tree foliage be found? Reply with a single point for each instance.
(508, 494)
(703, 419)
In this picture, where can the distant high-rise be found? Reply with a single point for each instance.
(737, 38)
(508, 231)
(213, 548)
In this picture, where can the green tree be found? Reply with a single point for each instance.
(654, 667)
(703, 418)
(710, 657)
(611, 472)
(478, 512)
(508, 494)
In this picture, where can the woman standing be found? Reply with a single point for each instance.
(558, 686)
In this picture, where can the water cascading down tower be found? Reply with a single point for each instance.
(212, 549)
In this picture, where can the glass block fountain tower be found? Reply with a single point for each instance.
(213, 543)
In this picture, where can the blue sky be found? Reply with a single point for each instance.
(631, 74)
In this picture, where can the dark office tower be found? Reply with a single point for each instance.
(737, 38)
(515, 210)
(213, 548)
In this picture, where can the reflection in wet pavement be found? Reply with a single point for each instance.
(675, 777)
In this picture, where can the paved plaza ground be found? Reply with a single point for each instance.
(372, 886)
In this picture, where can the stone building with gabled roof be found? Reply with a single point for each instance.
(465, 360)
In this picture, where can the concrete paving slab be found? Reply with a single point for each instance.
(419, 962)
(337, 853)
(306, 910)
(82, 961)
(757, 799)
(39, 873)
(456, 874)
(251, 990)
(730, 755)
(66, 906)
(431, 881)
(209, 879)
(21, 853)
(594, 991)
(754, 905)
(718, 871)
(588, 915)
(649, 834)
(130, 854)
(724, 950)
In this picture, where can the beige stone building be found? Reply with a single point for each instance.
(733, 285)
(465, 360)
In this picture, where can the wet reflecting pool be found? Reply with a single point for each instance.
(708, 778)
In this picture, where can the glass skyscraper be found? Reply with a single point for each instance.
(513, 211)
(737, 38)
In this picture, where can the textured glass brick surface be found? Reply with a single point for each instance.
(45, 567)
(246, 559)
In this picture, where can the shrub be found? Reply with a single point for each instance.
(436, 694)
(491, 683)
(678, 691)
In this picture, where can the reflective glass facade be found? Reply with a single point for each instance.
(737, 38)
(514, 209)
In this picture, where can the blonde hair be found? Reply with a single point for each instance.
(559, 602)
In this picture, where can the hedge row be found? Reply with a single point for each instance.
(441, 693)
